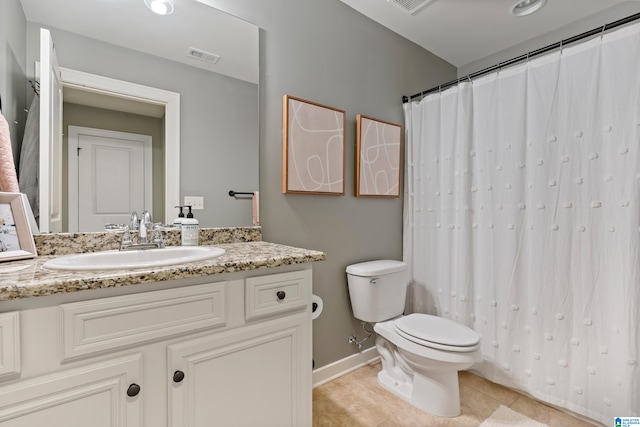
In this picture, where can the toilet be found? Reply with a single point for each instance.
(421, 354)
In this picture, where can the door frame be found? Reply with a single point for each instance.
(73, 167)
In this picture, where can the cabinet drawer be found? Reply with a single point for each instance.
(9, 343)
(277, 293)
(99, 325)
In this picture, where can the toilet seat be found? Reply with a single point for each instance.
(437, 332)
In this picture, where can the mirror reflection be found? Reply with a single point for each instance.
(217, 118)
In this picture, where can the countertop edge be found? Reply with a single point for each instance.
(27, 279)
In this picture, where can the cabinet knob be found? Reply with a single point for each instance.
(133, 390)
(178, 376)
(281, 295)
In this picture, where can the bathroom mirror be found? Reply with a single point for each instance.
(219, 97)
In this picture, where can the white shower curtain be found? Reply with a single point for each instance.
(522, 221)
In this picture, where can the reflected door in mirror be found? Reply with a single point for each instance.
(110, 172)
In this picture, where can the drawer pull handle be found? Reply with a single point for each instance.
(178, 376)
(133, 390)
(281, 295)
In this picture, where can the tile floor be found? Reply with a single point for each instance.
(356, 400)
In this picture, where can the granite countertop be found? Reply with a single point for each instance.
(27, 278)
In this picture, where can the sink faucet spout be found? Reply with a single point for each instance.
(143, 229)
(143, 226)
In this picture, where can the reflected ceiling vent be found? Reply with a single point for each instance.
(201, 55)
(411, 6)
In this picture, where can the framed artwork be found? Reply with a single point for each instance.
(313, 149)
(16, 240)
(378, 157)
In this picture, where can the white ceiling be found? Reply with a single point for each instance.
(464, 31)
(129, 23)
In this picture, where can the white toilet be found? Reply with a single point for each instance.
(421, 354)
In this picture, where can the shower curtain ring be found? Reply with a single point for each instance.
(604, 27)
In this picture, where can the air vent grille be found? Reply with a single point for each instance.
(202, 55)
(411, 6)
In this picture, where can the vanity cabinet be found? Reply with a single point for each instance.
(95, 395)
(226, 350)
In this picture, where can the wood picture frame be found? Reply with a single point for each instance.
(16, 240)
(313, 148)
(378, 158)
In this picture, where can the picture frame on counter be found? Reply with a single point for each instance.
(16, 240)
(313, 148)
(378, 158)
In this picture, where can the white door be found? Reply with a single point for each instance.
(50, 172)
(109, 177)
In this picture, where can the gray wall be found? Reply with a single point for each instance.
(218, 124)
(12, 70)
(612, 14)
(326, 52)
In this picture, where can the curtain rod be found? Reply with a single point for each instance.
(540, 51)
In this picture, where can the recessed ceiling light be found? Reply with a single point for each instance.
(527, 7)
(161, 7)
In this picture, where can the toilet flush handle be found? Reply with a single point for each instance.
(374, 281)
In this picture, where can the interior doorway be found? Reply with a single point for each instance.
(110, 175)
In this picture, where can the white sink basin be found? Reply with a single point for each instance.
(116, 260)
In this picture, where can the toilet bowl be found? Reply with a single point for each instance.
(429, 379)
(421, 354)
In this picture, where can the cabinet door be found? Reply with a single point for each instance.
(258, 375)
(95, 395)
(9, 343)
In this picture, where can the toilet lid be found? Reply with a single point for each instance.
(437, 330)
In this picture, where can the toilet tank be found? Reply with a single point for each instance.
(377, 289)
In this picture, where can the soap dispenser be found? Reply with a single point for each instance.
(190, 230)
(178, 221)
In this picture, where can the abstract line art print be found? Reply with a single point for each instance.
(313, 148)
(378, 156)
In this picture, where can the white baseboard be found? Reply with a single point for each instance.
(344, 366)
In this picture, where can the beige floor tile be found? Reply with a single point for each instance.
(475, 407)
(532, 409)
(357, 400)
(500, 393)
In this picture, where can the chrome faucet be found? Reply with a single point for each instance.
(143, 225)
(134, 220)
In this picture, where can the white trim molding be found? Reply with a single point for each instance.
(344, 366)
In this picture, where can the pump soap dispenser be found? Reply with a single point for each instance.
(178, 221)
(190, 230)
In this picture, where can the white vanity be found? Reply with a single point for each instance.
(221, 342)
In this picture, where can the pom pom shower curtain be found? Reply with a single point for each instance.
(522, 221)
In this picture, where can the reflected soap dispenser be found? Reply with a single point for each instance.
(190, 230)
(178, 221)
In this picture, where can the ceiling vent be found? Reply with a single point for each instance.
(201, 55)
(411, 6)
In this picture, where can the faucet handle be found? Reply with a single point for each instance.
(126, 238)
(157, 235)
(134, 220)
